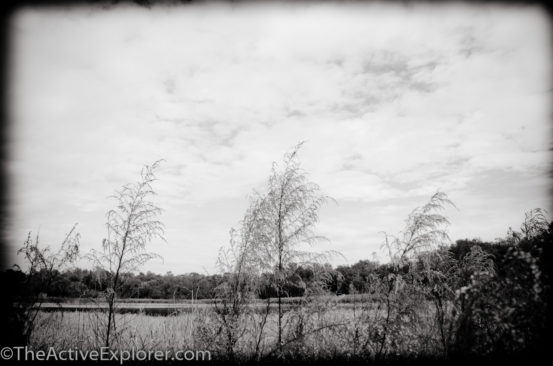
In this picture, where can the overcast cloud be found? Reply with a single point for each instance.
(394, 103)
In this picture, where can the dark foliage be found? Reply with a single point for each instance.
(342, 280)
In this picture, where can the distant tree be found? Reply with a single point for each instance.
(131, 225)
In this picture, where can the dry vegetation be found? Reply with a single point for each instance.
(425, 303)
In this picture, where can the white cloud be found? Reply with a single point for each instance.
(395, 102)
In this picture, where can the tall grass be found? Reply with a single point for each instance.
(316, 330)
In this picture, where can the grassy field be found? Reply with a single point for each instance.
(321, 329)
(83, 330)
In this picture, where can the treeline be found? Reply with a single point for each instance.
(342, 280)
(432, 298)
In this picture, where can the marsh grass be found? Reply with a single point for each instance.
(316, 330)
(64, 330)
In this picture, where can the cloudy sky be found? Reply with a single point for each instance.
(394, 103)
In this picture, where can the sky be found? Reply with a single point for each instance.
(394, 103)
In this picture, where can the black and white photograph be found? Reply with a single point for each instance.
(276, 182)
